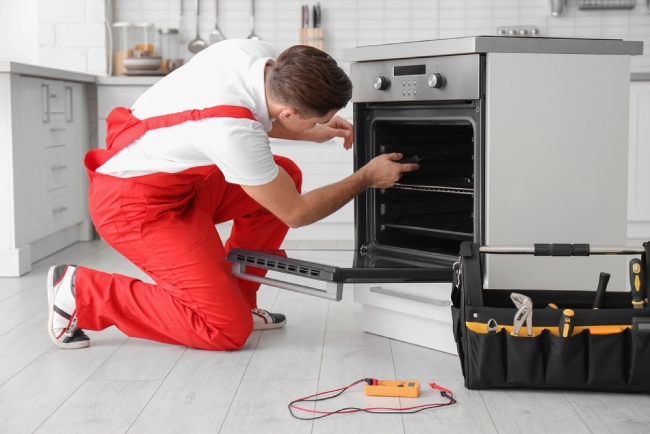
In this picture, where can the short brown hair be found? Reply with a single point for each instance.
(309, 81)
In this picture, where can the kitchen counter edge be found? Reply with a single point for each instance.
(44, 72)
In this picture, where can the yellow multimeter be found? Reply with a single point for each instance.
(398, 388)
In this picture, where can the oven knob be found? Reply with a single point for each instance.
(435, 80)
(381, 83)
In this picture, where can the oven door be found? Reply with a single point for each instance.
(327, 271)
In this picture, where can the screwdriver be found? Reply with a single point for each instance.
(637, 283)
(566, 323)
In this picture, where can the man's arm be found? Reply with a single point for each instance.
(295, 210)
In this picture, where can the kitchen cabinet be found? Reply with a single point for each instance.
(639, 161)
(44, 134)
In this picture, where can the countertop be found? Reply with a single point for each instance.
(43, 72)
(492, 44)
(129, 81)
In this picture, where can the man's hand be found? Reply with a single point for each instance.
(383, 171)
(335, 127)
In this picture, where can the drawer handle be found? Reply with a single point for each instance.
(45, 92)
(59, 167)
(431, 301)
(57, 129)
(59, 209)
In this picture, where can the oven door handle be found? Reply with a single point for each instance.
(390, 293)
(333, 290)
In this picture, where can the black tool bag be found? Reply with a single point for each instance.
(604, 352)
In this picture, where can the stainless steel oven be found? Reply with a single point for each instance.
(515, 148)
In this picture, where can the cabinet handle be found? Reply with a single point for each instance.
(59, 167)
(45, 92)
(57, 130)
(68, 104)
(390, 293)
(59, 209)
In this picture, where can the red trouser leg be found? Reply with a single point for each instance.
(171, 236)
(257, 230)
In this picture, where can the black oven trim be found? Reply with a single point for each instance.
(365, 118)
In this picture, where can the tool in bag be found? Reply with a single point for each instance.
(579, 340)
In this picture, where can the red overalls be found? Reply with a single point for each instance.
(165, 224)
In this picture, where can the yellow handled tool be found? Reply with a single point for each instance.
(566, 323)
(637, 283)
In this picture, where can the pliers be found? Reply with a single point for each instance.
(524, 313)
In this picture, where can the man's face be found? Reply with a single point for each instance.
(297, 124)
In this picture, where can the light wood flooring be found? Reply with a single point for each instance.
(126, 385)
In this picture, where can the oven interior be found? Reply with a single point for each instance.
(430, 211)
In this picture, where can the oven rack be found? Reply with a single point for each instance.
(434, 188)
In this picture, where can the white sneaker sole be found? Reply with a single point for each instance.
(269, 325)
(50, 316)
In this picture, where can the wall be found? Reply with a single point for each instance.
(71, 33)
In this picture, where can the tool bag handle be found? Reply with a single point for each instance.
(468, 278)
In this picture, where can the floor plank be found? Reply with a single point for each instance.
(517, 411)
(101, 407)
(196, 395)
(260, 406)
(608, 413)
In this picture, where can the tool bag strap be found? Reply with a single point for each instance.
(470, 280)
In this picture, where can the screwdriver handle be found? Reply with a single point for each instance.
(566, 323)
(600, 290)
(410, 160)
(637, 283)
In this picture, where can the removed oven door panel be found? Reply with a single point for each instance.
(323, 273)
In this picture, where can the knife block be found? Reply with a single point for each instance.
(312, 37)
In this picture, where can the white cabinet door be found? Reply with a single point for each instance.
(54, 131)
(35, 129)
(639, 162)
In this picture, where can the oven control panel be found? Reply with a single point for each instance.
(418, 79)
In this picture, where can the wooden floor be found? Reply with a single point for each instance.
(121, 385)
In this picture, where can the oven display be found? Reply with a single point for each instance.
(399, 71)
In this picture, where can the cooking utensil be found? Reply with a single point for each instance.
(197, 44)
(253, 35)
(216, 35)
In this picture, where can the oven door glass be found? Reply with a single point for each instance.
(333, 268)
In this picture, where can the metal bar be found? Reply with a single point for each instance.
(333, 291)
(593, 250)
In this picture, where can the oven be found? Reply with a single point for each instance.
(516, 146)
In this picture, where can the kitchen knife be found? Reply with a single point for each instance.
(637, 283)
(600, 290)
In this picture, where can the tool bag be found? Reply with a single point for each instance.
(604, 352)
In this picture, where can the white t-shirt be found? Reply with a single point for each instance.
(228, 73)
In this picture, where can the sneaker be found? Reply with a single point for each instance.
(62, 313)
(265, 320)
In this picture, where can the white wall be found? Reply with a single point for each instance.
(19, 31)
(70, 34)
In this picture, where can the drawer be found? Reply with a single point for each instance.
(56, 168)
(55, 94)
(56, 131)
(427, 300)
(58, 207)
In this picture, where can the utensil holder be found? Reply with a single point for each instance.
(314, 37)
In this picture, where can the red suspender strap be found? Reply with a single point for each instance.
(122, 128)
